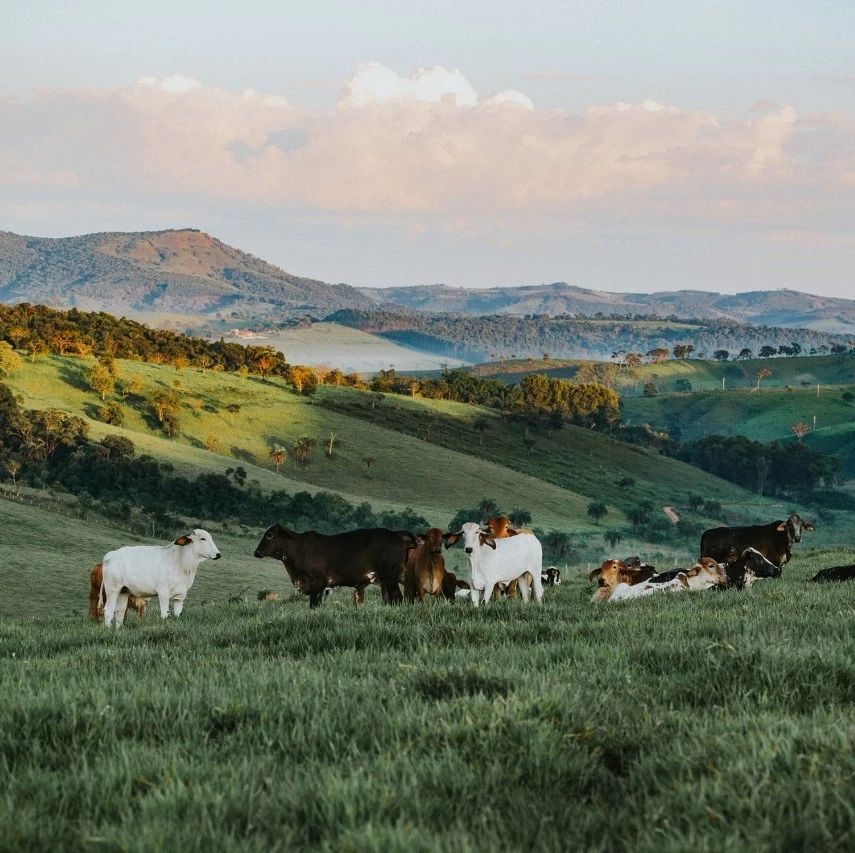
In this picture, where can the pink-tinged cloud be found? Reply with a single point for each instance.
(431, 147)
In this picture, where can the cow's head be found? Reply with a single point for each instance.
(474, 538)
(201, 543)
(706, 574)
(498, 526)
(273, 542)
(758, 565)
(613, 572)
(433, 538)
(794, 526)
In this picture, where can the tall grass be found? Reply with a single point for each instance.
(703, 721)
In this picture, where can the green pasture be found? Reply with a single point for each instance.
(704, 721)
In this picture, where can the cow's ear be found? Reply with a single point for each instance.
(183, 540)
(595, 574)
(808, 526)
(781, 527)
(486, 539)
(449, 539)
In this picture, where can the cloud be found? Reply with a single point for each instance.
(431, 148)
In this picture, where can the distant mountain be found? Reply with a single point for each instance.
(787, 308)
(159, 272)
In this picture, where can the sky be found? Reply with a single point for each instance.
(619, 146)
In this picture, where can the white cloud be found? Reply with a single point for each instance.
(429, 146)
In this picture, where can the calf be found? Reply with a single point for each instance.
(774, 541)
(453, 588)
(614, 572)
(167, 571)
(836, 573)
(551, 576)
(494, 561)
(424, 570)
(705, 574)
(97, 597)
(625, 591)
(315, 561)
(745, 570)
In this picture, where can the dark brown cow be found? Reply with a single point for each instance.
(835, 573)
(774, 541)
(451, 586)
(316, 562)
(97, 597)
(424, 570)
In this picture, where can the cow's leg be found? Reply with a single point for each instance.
(359, 595)
(315, 598)
(121, 609)
(163, 601)
(524, 588)
(178, 605)
(537, 585)
(489, 586)
(112, 596)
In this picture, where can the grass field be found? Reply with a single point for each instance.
(447, 464)
(700, 721)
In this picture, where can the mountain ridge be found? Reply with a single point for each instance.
(785, 307)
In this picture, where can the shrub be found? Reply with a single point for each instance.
(111, 413)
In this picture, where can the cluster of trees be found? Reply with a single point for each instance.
(40, 330)
(785, 470)
(53, 448)
(537, 394)
(501, 336)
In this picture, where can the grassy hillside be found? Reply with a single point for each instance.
(704, 375)
(701, 721)
(427, 454)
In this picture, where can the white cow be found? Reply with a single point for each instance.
(625, 591)
(493, 561)
(167, 571)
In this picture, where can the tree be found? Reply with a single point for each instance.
(528, 444)
(13, 468)
(612, 538)
(657, 355)
(278, 455)
(520, 517)
(721, 355)
(767, 351)
(800, 429)
(331, 445)
(111, 413)
(100, 380)
(597, 510)
(650, 390)
(212, 442)
(640, 514)
(683, 351)
(368, 461)
(303, 449)
(10, 361)
(745, 353)
(847, 396)
(683, 384)
(762, 373)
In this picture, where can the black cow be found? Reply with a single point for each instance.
(774, 541)
(836, 573)
(751, 565)
(315, 562)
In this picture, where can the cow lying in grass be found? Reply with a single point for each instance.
(705, 574)
(836, 573)
(749, 567)
(626, 592)
(97, 596)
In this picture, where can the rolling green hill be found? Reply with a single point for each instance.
(426, 453)
(704, 375)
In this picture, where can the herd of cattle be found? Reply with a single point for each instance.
(503, 561)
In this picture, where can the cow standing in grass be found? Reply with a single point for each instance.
(316, 562)
(492, 561)
(424, 572)
(774, 541)
(167, 571)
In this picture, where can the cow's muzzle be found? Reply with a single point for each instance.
(217, 555)
(468, 550)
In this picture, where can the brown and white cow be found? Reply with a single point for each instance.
(97, 596)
